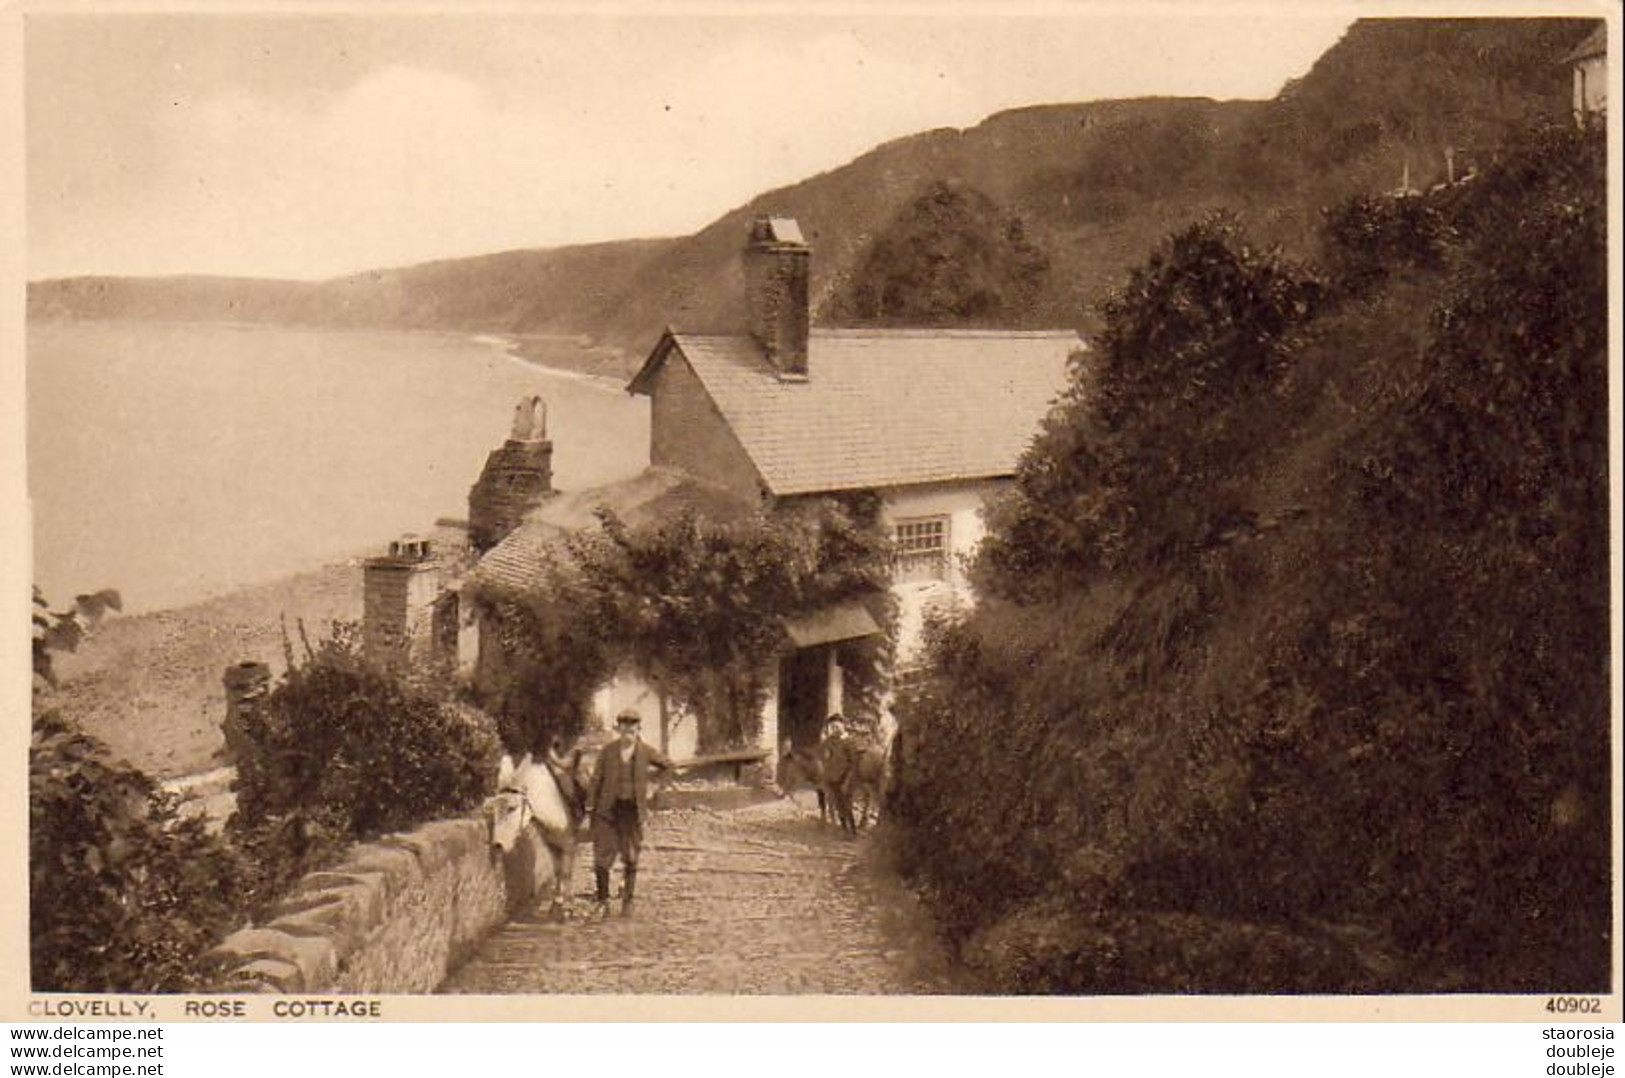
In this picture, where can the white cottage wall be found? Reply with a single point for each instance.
(961, 503)
(1590, 87)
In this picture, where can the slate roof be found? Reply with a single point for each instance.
(881, 408)
(653, 494)
(1595, 44)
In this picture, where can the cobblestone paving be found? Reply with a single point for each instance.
(760, 898)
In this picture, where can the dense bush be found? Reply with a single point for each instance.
(1370, 237)
(1195, 348)
(124, 894)
(1317, 699)
(341, 750)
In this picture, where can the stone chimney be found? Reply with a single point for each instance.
(408, 616)
(777, 264)
(518, 477)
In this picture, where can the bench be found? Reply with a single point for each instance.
(735, 760)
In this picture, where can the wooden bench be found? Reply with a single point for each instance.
(736, 760)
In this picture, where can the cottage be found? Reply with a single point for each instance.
(933, 421)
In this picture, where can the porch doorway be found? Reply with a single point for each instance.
(803, 696)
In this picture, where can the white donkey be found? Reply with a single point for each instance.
(532, 793)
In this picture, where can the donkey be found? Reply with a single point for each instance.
(538, 795)
(839, 770)
(869, 780)
(798, 768)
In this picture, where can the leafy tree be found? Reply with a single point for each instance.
(1367, 238)
(951, 257)
(545, 662)
(698, 606)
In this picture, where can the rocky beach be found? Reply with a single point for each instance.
(150, 685)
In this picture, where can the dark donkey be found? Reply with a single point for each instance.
(838, 770)
(798, 768)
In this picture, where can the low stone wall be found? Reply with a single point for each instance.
(394, 917)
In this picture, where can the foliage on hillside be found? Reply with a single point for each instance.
(1196, 347)
(1293, 671)
(696, 607)
(951, 258)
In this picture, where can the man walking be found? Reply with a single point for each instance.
(620, 790)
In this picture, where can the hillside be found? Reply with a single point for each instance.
(1094, 185)
(514, 291)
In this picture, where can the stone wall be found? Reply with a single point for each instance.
(394, 917)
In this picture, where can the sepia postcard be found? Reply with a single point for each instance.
(812, 511)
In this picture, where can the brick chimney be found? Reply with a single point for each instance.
(403, 605)
(518, 476)
(777, 262)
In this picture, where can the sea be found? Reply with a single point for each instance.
(178, 462)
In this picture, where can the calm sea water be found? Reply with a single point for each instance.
(177, 462)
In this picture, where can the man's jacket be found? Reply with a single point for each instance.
(622, 780)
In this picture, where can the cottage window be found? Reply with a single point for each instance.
(921, 546)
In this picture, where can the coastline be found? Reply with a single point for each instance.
(580, 360)
(566, 355)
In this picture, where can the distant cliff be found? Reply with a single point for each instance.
(1094, 185)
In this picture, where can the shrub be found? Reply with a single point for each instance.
(544, 664)
(124, 894)
(1141, 460)
(342, 750)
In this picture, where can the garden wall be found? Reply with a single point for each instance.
(394, 917)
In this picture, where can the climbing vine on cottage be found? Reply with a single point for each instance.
(697, 606)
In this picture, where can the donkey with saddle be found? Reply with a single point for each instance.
(550, 796)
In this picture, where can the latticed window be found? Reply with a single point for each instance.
(921, 547)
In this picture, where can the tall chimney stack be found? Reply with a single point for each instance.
(777, 262)
(401, 595)
(518, 476)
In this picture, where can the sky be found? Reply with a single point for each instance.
(310, 145)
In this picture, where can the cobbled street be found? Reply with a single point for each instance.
(757, 898)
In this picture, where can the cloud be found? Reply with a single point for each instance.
(410, 163)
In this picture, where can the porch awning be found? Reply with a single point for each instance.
(832, 624)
